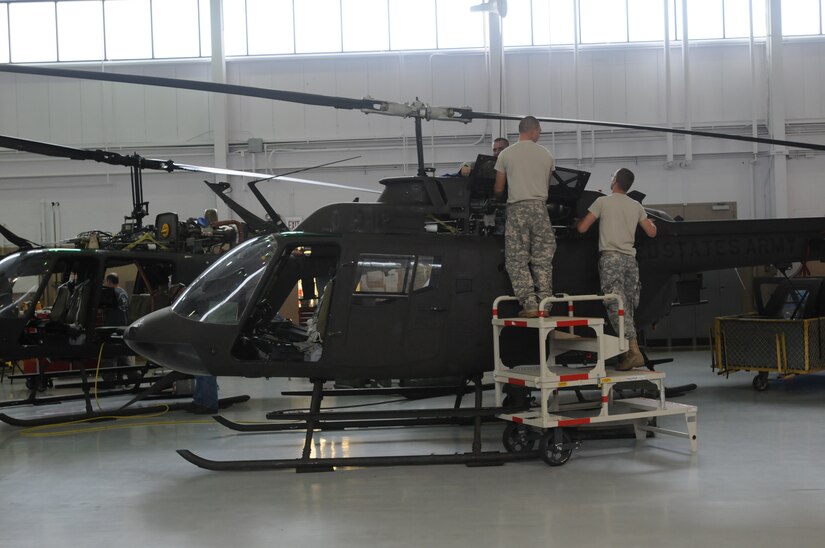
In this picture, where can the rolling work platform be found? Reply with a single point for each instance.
(550, 424)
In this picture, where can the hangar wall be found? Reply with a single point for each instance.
(618, 84)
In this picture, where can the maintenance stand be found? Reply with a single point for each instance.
(550, 424)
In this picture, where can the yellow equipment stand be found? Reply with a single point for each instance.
(555, 446)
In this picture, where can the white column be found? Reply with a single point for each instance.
(217, 101)
(495, 73)
(686, 85)
(776, 109)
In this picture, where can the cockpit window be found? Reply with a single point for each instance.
(389, 274)
(221, 294)
(20, 278)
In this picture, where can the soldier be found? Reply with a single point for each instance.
(529, 241)
(618, 269)
(499, 144)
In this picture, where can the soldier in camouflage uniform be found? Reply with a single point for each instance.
(529, 242)
(619, 216)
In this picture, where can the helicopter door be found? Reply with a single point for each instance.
(379, 309)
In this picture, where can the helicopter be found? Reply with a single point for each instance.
(405, 285)
(51, 297)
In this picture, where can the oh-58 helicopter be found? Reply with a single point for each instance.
(406, 284)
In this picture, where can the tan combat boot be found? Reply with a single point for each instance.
(632, 358)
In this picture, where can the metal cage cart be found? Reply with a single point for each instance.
(785, 347)
(548, 423)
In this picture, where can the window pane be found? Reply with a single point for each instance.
(234, 27)
(365, 25)
(80, 31)
(800, 17)
(517, 26)
(383, 274)
(175, 28)
(553, 22)
(646, 20)
(737, 24)
(458, 27)
(128, 29)
(270, 27)
(412, 24)
(33, 32)
(603, 21)
(4, 34)
(705, 19)
(206, 28)
(317, 26)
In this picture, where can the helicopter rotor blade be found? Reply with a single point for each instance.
(256, 175)
(196, 85)
(468, 114)
(375, 106)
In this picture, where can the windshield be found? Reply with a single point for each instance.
(20, 277)
(221, 294)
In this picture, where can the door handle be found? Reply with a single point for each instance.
(437, 309)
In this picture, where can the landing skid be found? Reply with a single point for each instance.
(125, 411)
(315, 419)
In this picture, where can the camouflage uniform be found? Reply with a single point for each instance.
(619, 274)
(529, 238)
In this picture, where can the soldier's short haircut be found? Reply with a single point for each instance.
(625, 178)
(528, 123)
(502, 140)
(112, 278)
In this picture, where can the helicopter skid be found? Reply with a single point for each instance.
(494, 458)
(110, 414)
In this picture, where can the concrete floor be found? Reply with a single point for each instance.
(756, 481)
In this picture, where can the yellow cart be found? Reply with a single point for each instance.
(785, 347)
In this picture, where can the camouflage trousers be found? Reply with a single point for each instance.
(529, 245)
(619, 274)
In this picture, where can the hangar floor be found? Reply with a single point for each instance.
(756, 481)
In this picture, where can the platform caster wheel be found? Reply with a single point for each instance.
(555, 452)
(517, 438)
(760, 382)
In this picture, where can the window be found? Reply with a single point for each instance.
(234, 27)
(270, 28)
(317, 26)
(388, 274)
(427, 271)
(801, 17)
(205, 17)
(646, 20)
(175, 30)
(705, 19)
(223, 291)
(412, 24)
(517, 26)
(553, 22)
(80, 31)
(33, 32)
(603, 21)
(365, 25)
(737, 24)
(128, 29)
(458, 27)
(4, 33)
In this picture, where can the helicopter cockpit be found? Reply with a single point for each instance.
(276, 328)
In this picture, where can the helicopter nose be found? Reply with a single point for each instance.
(159, 337)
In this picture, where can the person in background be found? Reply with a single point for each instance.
(529, 241)
(499, 144)
(619, 216)
(205, 394)
(117, 315)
